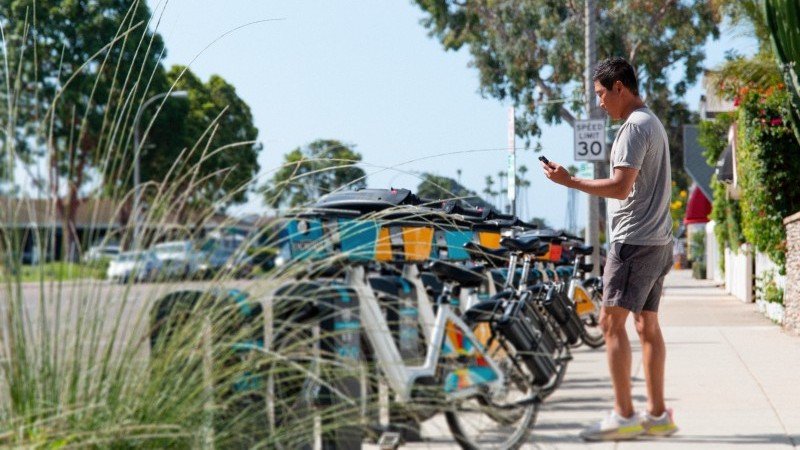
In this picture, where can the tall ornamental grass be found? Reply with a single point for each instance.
(213, 363)
(85, 363)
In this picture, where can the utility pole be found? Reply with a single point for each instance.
(593, 209)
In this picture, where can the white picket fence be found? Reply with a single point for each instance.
(713, 270)
(741, 268)
(739, 273)
(764, 265)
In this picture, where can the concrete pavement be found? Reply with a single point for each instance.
(733, 379)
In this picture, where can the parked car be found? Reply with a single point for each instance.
(240, 265)
(139, 266)
(100, 252)
(31, 256)
(179, 258)
(214, 260)
(264, 257)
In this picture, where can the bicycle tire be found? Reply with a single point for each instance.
(562, 357)
(519, 375)
(596, 339)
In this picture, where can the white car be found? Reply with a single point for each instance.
(179, 258)
(139, 266)
(99, 252)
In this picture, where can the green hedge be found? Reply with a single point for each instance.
(768, 164)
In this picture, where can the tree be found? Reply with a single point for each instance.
(214, 117)
(523, 184)
(310, 172)
(487, 191)
(525, 51)
(501, 188)
(782, 19)
(78, 70)
(438, 187)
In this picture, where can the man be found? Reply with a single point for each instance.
(640, 253)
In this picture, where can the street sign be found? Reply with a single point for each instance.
(585, 171)
(590, 140)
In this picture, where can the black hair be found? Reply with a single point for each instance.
(611, 70)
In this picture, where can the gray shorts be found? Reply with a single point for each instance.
(634, 275)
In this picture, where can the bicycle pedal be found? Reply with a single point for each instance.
(389, 440)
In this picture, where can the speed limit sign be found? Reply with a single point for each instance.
(590, 142)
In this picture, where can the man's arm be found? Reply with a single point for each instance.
(619, 186)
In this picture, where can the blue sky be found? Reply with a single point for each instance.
(365, 72)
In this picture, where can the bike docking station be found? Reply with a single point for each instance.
(232, 334)
(380, 319)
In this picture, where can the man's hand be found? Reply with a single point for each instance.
(556, 173)
(619, 186)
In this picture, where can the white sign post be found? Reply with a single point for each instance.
(512, 161)
(590, 140)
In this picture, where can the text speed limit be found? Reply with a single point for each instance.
(590, 140)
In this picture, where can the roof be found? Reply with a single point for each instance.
(25, 212)
(100, 213)
(694, 162)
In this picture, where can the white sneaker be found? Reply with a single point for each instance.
(662, 425)
(614, 428)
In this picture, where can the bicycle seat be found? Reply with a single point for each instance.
(544, 235)
(469, 277)
(526, 244)
(496, 257)
(583, 249)
(508, 223)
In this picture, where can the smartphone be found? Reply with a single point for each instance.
(544, 160)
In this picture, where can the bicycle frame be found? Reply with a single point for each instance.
(400, 377)
(577, 293)
(467, 299)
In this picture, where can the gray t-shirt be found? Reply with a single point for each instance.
(643, 218)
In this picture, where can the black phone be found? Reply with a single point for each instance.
(544, 160)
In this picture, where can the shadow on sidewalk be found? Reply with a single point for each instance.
(734, 439)
(730, 440)
(690, 286)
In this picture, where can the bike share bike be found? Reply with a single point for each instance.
(585, 293)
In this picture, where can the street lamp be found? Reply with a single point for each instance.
(137, 147)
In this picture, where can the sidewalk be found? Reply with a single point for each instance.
(733, 379)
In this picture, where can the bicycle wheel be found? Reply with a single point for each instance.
(482, 422)
(561, 355)
(592, 332)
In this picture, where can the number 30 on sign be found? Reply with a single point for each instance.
(590, 140)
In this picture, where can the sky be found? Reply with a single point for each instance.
(365, 72)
